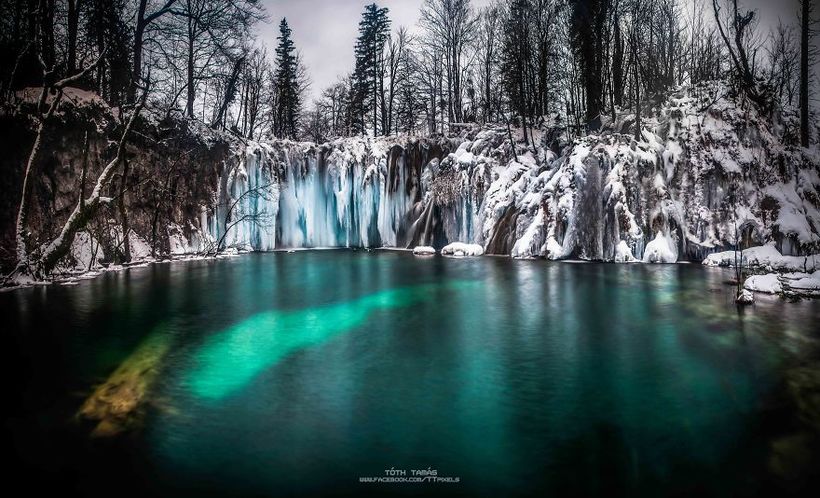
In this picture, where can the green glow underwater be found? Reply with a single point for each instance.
(233, 357)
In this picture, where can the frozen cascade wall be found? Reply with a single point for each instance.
(694, 180)
(356, 192)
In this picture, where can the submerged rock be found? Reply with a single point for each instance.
(118, 404)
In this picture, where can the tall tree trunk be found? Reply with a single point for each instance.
(139, 33)
(46, 8)
(126, 244)
(617, 66)
(637, 85)
(456, 85)
(804, 75)
(522, 107)
(191, 92)
(28, 184)
(72, 22)
(142, 23)
(229, 92)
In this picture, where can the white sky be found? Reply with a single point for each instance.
(324, 31)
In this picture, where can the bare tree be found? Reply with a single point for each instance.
(783, 63)
(143, 20)
(450, 24)
(740, 26)
(396, 52)
(213, 31)
(253, 95)
(488, 36)
(235, 214)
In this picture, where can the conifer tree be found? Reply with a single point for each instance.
(368, 75)
(287, 112)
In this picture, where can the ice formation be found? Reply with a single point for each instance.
(705, 175)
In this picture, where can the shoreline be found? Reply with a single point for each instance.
(69, 279)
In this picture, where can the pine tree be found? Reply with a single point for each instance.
(368, 75)
(287, 112)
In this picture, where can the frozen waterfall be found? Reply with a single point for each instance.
(352, 193)
(609, 197)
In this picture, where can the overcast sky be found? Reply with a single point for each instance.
(324, 31)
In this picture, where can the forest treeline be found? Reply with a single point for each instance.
(528, 62)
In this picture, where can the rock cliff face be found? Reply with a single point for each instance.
(173, 170)
(707, 170)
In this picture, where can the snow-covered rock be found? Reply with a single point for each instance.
(796, 283)
(745, 297)
(424, 251)
(801, 284)
(85, 252)
(764, 258)
(768, 283)
(462, 249)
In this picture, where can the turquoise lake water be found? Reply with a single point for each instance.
(300, 373)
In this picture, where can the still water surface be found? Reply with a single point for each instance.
(286, 373)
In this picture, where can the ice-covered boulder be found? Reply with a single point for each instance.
(462, 249)
(424, 251)
(661, 249)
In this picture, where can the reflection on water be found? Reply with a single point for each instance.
(285, 373)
